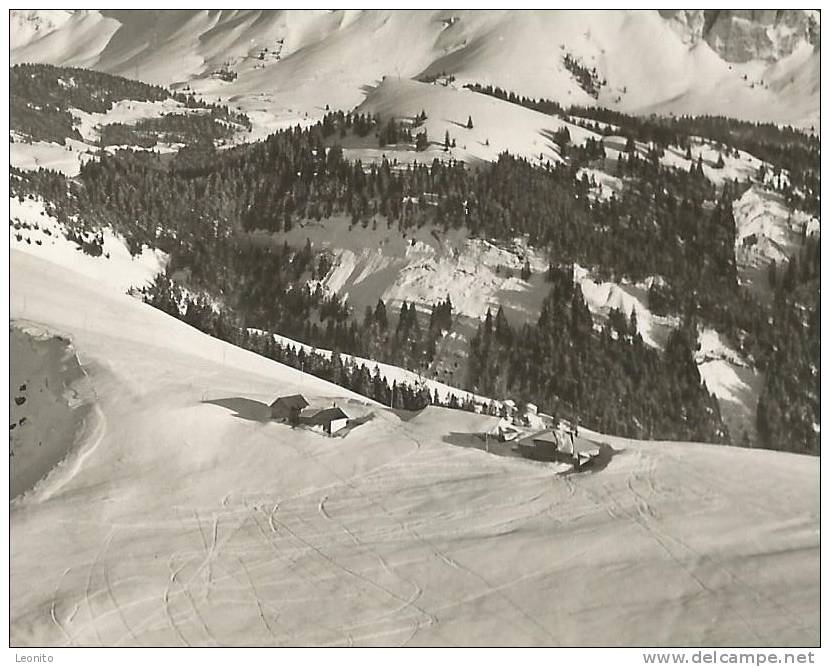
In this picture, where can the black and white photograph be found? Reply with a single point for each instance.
(357, 328)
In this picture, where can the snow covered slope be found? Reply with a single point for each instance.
(735, 383)
(76, 38)
(33, 231)
(766, 229)
(180, 518)
(498, 126)
(293, 63)
(25, 152)
(67, 159)
(422, 267)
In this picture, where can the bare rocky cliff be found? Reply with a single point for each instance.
(740, 35)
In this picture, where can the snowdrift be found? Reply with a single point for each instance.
(183, 523)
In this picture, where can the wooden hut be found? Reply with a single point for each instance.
(329, 420)
(288, 408)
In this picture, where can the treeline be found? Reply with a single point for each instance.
(275, 287)
(588, 79)
(223, 323)
(612, 380)
(41, 97)
(789, 408)
(670, 130)
(173, 128)
(609, 378)
(204, 206)
(541, 105)
(84, 89)
(784, 147)
(394, 131)
(662, 224)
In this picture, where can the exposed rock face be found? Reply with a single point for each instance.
(747, 34)
(743, 35)
(688, 23)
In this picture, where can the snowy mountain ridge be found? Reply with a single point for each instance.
(756, 66)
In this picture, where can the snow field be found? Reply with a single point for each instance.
(115, 268)
(188, 525)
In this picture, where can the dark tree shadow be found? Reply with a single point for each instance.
(353, 424)
(550, 135)
(476, 441)
(464, 440)
(245, 408)
(359, 421)
(406, 415)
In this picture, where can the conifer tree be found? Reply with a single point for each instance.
(380, 315)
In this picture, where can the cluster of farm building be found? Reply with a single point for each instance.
(532, 434)
(536, 435)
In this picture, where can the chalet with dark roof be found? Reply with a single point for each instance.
(330, 420)
(288, 408)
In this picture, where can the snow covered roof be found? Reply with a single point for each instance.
(585, 447)
(565, 444)
(325, 416)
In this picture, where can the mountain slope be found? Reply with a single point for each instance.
(293, 63)
(498, 126)
(180, 518)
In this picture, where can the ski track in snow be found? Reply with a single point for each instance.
(176, 586)
(182, 578)
(183, 609)
(201, 528)
(53, 609)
